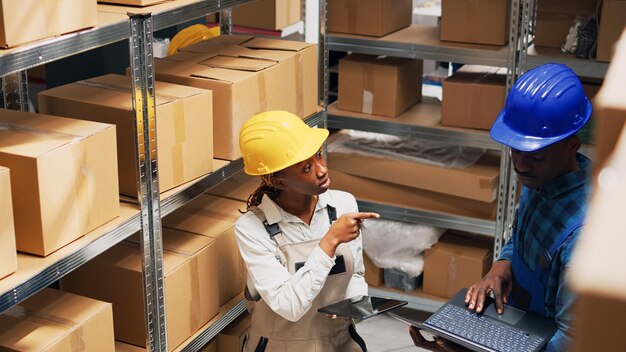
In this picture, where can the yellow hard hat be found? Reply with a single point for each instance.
(274, 140)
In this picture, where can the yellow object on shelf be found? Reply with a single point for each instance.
(191, 35)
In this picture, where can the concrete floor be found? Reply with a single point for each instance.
(383, 333)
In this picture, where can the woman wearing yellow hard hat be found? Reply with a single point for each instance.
(300, 241)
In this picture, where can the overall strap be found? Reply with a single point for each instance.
(332, 213)
(549, 254)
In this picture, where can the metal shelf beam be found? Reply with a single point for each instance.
(454, 222)
(181, 14)
(585, 68)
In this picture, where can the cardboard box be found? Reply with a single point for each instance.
(57, 321)
(369, 17)
(596, 275)
(183, 117)
(268, 14)
(124, 347)
(133, 2)
(477, 182)
(610, 107)
(190, 270)
(238, 187)
(380, 85)
(407, 197)
(555, 17)
(475, 21)
(374, 276)
(455, 262)
(63, 177)
(8, 255)
(28, 20)
(279, 75)
(612, 24)
(232, 338)
(215, 218)
(210, 347)
(473, 97)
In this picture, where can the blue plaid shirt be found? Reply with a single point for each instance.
(544, 213)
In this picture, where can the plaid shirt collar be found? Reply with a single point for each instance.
(568, 181)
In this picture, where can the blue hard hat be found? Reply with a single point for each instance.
(546, 105)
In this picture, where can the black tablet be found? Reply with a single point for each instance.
(362, 307)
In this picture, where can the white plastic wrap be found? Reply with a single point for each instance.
(394, 244)
(417, 150)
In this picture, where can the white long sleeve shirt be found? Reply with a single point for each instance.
(290, 296)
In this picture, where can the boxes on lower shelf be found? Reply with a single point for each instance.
(232, 338)
(183, 115)
(471, 21)
(374, 276)
(455, 262)
(385, 86)
(369, 17)
(247, 76)
(268, 14)
(403, 196)
(52, 320)
(210, 347)
(191, 298)
(125, 347)
(473, 97)
(63, 177)
(400, 279)
(8, 254)
(215, 217)
(29, 20)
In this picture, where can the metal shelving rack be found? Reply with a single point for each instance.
(138, 29)
(422, 42)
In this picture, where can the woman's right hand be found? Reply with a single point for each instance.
(343, 230)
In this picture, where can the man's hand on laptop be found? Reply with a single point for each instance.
(438, 344)
(497, 281)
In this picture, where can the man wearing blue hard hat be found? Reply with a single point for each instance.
(543, 111)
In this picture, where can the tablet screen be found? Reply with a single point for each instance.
(362, 307)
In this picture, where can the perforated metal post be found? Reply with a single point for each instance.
(15, 91)
(323, 58)
(141, 62)
(226, 21)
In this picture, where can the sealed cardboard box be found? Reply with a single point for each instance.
(52, 320)
(232, 338)
(380, 85)
(402, 196)
(610, 107)
(8, 255)
(473, 97)
(133, 2)
(475, 21)
(63, 177)
(215, 217)
(612, 24)
(369, 17)
(190, 270)
(455, 262)
(183, 116)
(279, 75)
(374, 276)
(477, 182)
(268, 14)
(124, 347)
(555, 18)
(210, 347)
(597, 265)
(28, 20)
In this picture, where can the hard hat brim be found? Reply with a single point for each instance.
(502, 133)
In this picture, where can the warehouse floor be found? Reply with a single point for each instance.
(383, 333)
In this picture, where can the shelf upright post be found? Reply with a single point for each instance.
(141, 63)
(323, 58)
(226, 21)
(15, 91)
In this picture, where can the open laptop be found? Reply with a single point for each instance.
(514, 330)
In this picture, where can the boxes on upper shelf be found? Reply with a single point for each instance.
(369, 17)
(183, 116)
(268, 14)
(612, 24)
(191, 298)
(555, 18)
(455, 262)
(248, 76)
(475, 21)
(29, 20)
(215, 218)
(133, 2)
(379, 85)
(473, 97)
(8, 255)
(233, 337)
(63, 177)
(52, 320)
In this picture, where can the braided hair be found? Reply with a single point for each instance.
(268, 187)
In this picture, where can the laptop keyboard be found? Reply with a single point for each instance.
(482, 330)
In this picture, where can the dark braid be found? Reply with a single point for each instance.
(265, 187)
